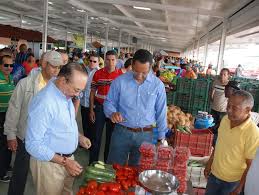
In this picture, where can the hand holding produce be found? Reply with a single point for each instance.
(73, 167)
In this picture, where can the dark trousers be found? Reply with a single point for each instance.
(86, 122)
(5, 154)
(20, 170)
(216, 186)
(217, 119)
(96, 134)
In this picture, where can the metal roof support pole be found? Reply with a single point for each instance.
(198, 49)
(220, 63)
(119, 46)
(206, 49)
(21, 19)
(193, 50)
(85, 31)
(106, 40)
(66, 39)
(45, 26)
(128, 44)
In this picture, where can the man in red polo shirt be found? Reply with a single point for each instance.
(100, 86)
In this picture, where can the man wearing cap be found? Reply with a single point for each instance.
(16, 117)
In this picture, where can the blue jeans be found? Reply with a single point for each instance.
(125, 142)
(217, 186)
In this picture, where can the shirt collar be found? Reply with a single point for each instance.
(2, 77)
(59, 92)
(149, 76)
(244, 124)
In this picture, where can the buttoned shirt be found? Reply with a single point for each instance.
(51, 124)
(141, 105)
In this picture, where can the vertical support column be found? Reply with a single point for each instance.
(45, 26)
(206, 49)
(198, 49)
(222, 46)
(106, 39)
(66, 35)
(21, 19)
(129, 43)
(119, 46)
(85, 32)
(193, 49)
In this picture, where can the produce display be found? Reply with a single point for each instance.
(164, 152)
(100, 172)
(147, 149)
(177, 119)
(167, 76)
(180, 167)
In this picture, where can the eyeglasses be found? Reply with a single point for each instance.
(93, 61)
(8, 65)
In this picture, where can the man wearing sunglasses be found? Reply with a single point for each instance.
(6, 90)
(84, 101)
(135, 102)
(15, 124)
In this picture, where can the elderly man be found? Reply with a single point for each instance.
(52, 133)
(238, 139)
(135, 102)
(16, 117)
(6, 90)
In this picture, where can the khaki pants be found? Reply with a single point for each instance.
(51, 178)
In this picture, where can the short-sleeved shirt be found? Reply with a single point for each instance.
(6, 91)
(102, 80)
(233, 147)
(219, 102)
(28, 67)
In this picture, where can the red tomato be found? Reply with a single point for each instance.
(117, 166)
(103, 187)
(131, 193)
(114, 187)
(125, 185)
(100, 193)
(92, 184)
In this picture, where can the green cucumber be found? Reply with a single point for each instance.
(89, 177)
(100, 164)
(100, 172)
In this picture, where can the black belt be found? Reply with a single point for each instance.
(136, 130)
(65, 155)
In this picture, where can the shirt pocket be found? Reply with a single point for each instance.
(149, 99)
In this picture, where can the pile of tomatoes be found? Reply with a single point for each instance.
(93, 188)
(126, 176)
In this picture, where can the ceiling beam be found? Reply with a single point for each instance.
(167, 17)
(169, 7)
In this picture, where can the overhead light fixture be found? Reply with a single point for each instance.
(92, 18)
(24, 22)
(1, 18)
(80, 10)
(51, 3)
(142, 8)
(64, 12)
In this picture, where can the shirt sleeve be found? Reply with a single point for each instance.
(94, 81)
(13, 112)
(161, 116)
(112, 99)
(39, 118)
(252, 143)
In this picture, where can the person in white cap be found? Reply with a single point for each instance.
(16, 117)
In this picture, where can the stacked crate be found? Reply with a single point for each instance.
(193, 95)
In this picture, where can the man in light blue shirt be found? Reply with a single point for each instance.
(84, 101)
(52, 133)
(135, 102)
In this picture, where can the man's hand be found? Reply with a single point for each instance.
(116, 117)
(84, 142)
(92, 116)
(237, 191)
(12, 145)
(73, 167)
(207, 170)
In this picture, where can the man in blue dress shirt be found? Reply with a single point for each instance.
(52, 133)
(135, 102)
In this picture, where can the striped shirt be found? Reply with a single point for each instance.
(101, 83)
(6, 91)
(219, 102)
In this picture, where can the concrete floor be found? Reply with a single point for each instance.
(81, 155)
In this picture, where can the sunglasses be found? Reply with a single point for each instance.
(93, 61)
(8, 65)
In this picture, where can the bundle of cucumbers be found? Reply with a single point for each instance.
(185, 130)
(100, 172)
